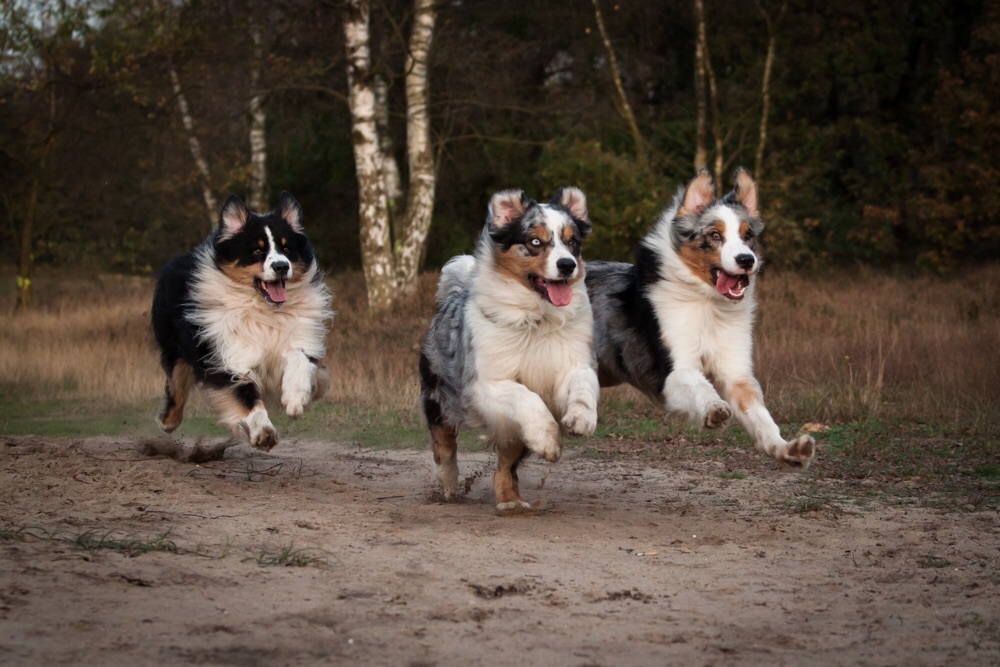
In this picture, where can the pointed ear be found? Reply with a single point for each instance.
(290, 211)
(232, 218)
(574, 201)
(506, 207)
(746, 192)
(699, 193)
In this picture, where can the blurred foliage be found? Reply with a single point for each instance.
(622, 200)
(883, 130)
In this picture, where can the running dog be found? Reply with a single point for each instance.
(678, 324)
(510, 347)
(245, 316)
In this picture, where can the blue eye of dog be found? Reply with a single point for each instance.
(716, 236)
(535, 243)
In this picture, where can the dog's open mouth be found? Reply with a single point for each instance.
(556, 292)
(730, 286)
(272, 291)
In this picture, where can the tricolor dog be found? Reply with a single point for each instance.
(678, 324)
(245, 317)
(509, 349)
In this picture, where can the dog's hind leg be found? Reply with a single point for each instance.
(241, 407)
(747, 400)
(322, 380)
(443, 442)
(445, 448)
(180, 377)
(505, 486)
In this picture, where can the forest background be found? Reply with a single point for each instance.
(877, 143)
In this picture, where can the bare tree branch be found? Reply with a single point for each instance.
(624, 108)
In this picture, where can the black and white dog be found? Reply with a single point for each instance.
(245, 316)
(678, 324)
(510, 347)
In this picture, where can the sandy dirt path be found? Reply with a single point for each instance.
(328, 554)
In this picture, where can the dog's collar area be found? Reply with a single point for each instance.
(273, 291)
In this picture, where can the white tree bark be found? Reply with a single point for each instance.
(420, 156)
(258, 121)
(195, 146)
(376, 252)
(390, 165)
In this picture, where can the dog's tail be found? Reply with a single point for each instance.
(454, 276)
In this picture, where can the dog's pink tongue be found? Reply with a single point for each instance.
(276, 291)
(726, 282)
(560, 293)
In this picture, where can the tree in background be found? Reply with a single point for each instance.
(390, 265)
(40, 44)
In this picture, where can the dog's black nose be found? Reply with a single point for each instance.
(745, 261)
(565, 265)
(280, 268)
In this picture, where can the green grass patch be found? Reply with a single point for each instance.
(288, 556)
(77, 418)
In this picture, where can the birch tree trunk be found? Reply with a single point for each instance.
(258, 121)
(420, 156)
(624, 108)
(390, 165)
(376, 251)
(765, 87)
(701, 125)
(195, 147)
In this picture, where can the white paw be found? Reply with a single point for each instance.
(798, 451)
(294, 405)
(543, 439)
(447, 474)
(259, 431)
(297, 384)
(717, 414)
(515, 505)
(580, 420)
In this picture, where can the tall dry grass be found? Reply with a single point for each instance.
(863, 344)
(839, 347)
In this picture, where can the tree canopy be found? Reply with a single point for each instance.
(881, 137)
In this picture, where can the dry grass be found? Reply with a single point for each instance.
(836, 348)
(863, 345)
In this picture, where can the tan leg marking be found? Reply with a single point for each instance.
(505, 483)
(176, 391)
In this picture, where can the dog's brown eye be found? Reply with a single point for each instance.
(748, 236)
(257, 252)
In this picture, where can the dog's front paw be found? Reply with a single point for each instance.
(294, 404)
(259, 431)
(544, 440)
(717, 414)
(299, 384)
(798, 452)
(580, 420)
